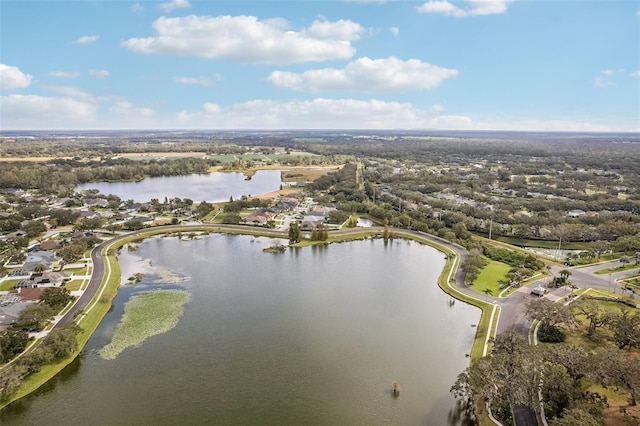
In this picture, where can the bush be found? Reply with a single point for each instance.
(550, 334)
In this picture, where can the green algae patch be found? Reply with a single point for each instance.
(146, 315)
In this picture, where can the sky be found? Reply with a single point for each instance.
(534, 65)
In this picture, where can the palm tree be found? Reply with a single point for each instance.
(39, 268)
(565, 274)
(487, 292)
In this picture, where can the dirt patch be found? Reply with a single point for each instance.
(32, 159)
(306, 174)
(614, 415)
(275, 194)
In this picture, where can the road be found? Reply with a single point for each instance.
(92, 288)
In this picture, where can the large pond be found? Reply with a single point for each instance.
(314, 336)
(211, 187)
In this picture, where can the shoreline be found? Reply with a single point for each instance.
(111, 282)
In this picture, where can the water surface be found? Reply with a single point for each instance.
(211, 187)
(313, 336)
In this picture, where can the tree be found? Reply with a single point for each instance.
(624, 259)
(204, 209)
(10, 379)
(35, 316)
(56, 297)
(596, 315)
(559, 390)
(626, 329)
(550, 313)
(472, 265)
(62, 342)
(294, 233)
(12, 342)
(39, 268)
(508, 376)
(488, 292)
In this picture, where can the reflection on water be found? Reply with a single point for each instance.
(313, 336)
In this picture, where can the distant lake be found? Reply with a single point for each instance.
(313, 336)
(212, 187)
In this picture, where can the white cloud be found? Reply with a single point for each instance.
(608, 73)
(323, 113)
(12, 78)
(175, 4)
(136, 7)
(603, 82)
(395, 31)
(367, 75)
(473, 8)
(636, 74)
(64, 74)
(87, 39)
(202, 81)
(31, 111)
(70, 91)
(127, 109)
(248, 39)
(99, 73)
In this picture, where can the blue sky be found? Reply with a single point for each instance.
(435, 64)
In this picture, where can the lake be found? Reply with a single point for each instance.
(211, 187)
(312, 336)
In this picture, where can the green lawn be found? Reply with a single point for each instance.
(617, 268)
(489, 276)
(7, 285)
(73, 285)
(548, 244)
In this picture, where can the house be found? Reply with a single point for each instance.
(260, 218)
(49, 245)
(311, 222)
(96, 202)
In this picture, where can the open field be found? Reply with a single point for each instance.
(489, 277)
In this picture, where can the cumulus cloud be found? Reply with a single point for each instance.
(32, 111)
(395, 31)
(175, 4)
(127, 109)
(87, 39)
(136, 7)
(99, 73)
(249, 40)
(367, 75)
(201, 81)
(12, 78)
(64, 74)
(473, 7)
(636, 74)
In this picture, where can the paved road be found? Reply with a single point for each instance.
(92, 288)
